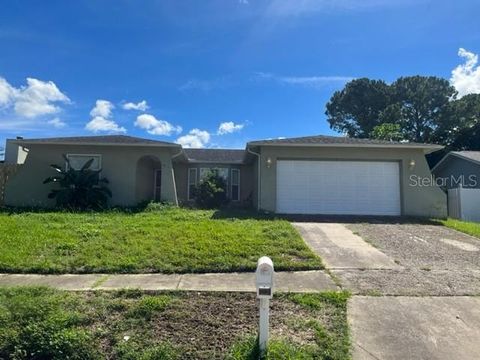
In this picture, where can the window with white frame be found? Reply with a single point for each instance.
(192, 182)
(235, 185)
(77, 161)
(223, 172)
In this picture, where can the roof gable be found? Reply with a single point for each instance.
(470, 156)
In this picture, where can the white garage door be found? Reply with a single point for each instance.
(338, 187)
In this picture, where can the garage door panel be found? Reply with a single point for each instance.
(338, 187)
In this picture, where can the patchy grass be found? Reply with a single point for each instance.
(40, 323)
(166, 240)
(466, 227)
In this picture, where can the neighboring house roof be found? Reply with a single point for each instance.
(96, 140)
(215, 155)
(472, 156)
(324, 140)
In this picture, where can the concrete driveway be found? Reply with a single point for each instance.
(340, 248)
(394, 257)
(426, 269)
(415, 327)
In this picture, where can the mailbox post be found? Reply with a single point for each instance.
(264, 285)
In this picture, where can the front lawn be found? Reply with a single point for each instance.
(40, 323)
(470, 228)
(166, 240)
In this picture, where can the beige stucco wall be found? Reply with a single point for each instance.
(246, 179)
(416, 201)
(119, 164)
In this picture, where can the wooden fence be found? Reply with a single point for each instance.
(6, 172)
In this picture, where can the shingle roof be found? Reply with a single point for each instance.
(332, 140)
(100, 140)
(216, 155)
(471, 155)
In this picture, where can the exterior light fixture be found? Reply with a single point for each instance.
(411, 164)
(269, 162)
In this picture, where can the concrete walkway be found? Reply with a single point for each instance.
(415, 327)
(340, 248)
(298, 281)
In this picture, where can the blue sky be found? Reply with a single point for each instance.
(262, 68)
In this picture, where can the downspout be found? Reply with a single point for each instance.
(173, 176)
(258, 177)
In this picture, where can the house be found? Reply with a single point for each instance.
(306, 175)
(458, 169)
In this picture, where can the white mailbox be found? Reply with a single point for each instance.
(264, 278)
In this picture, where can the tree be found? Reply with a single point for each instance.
(387, 131)
(420, 101)
(211, 192)
(415, 103)
(355, 109)
(460, 124)
(79, 189)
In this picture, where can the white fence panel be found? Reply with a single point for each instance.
(464, 204)
(454, 205)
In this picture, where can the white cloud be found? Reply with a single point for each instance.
(466, 77)
(309, 81)
(100, 124)
(141, 106)
(229, 127)
(194, 139)
(57, 123)
(7, 93)
(155, 126)
(36, 99)
(101, 119)
(103, 108)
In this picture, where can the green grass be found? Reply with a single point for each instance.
(470, 228)
(331, 333)
(42, 323)
(166, 240)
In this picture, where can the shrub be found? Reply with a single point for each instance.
(79, 189)
(211, 192)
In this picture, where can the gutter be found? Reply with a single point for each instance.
(258, 176)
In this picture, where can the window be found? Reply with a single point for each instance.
(78, 160)
(223, 172)
(192, 182)
(235, 184)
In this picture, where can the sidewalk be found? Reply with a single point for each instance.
(298, 281)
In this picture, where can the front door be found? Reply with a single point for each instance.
(157, 183)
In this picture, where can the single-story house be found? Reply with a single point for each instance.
(305, 175)
(458, 169)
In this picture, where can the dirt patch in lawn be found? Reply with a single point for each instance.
(205, 324)
(169, 325)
